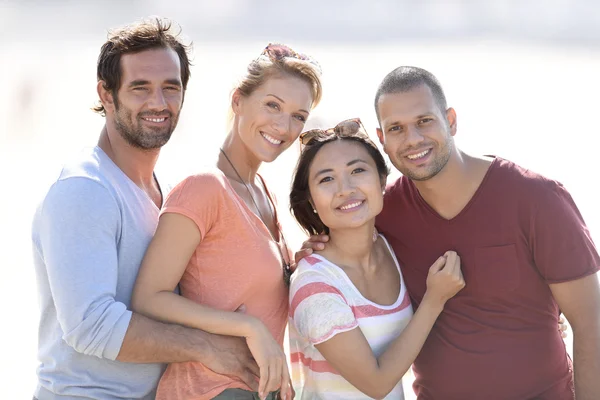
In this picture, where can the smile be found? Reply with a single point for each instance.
(271, 139)
(418, 155)
(351, 206)
(156, 120)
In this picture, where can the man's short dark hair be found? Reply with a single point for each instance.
(155, 33)
(403, 79)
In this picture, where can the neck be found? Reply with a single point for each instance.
(454, 186)
(241, 161)
(352, 247)
(137, 164)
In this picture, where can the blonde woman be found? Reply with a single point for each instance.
(219, 236)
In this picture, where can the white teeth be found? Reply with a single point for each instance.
(351, 205)
(417, 156)
(270, 139)
(155, 119)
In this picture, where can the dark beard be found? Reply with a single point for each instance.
(138, 137)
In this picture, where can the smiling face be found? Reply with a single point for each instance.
(271, 118)
(415, 133)
(345, 185)
(147, 106)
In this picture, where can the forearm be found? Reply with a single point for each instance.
(377, 377)
(586, 352)
(172, 308)
(403, 351)
(150, 341)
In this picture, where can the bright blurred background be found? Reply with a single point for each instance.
(522, 75)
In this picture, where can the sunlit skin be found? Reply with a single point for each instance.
(150, 88)
(345, 186)
(272, 117)
(415, 133)
(265, 124)
(149, 100)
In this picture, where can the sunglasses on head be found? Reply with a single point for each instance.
(277, 52)
(349, 127)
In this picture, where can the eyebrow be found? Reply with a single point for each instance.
(355, 161)
(142, 82)
(283, 101)
(427, 114)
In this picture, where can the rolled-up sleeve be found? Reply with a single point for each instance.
(78, 235)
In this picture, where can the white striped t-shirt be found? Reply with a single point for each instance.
(325, 302)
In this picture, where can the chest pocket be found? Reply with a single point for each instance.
(491, 271)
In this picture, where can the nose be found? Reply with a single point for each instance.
(282, 124)
(157, 101)
(413, 136)
(345, 186)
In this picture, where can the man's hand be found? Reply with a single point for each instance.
(316, 242)
(562, 326)
(232, 357)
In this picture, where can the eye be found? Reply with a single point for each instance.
(358, 170)
(326, 179)
(424, 121)
(139, 88)
(273, 105)
(300, 118)
(173, 88)
(395, 128)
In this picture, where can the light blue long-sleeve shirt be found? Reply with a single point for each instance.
(89, 235)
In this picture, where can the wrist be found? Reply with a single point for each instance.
(250, 326)
(432, 303)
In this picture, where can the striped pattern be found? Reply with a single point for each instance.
(323, 303)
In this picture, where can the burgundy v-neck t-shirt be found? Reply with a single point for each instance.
(498, 337)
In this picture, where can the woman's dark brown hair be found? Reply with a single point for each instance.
(300, 197)
(144, 35)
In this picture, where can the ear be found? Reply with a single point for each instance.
(106, 97)
(452, 122)
(381, 136)
(236, 101)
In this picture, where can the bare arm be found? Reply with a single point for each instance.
(150, 341)
(166, 259)
(579, 300)
(376, 377)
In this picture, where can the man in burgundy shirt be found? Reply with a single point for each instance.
(525, 249)
(526, 254)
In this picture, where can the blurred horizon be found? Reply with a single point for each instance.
(522, 75)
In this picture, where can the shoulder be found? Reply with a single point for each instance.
(319, 274)
(89, 179)
(523, 180)
(207, 183)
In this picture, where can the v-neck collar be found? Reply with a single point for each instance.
(102, 154)
(473, 198)
(277, 240)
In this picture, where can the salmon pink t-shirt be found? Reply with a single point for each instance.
(237, 262)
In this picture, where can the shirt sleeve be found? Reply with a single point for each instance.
(197, 197)
(78, 231)
(318, 308)
(560, 241)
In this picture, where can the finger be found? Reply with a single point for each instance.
(437, 265)
(562, 327)
(286, 387)
(563, 335)
(319, 238)
(561, 319)
(450, 266)
(274, 381)
(300, 254)
(262, 384)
